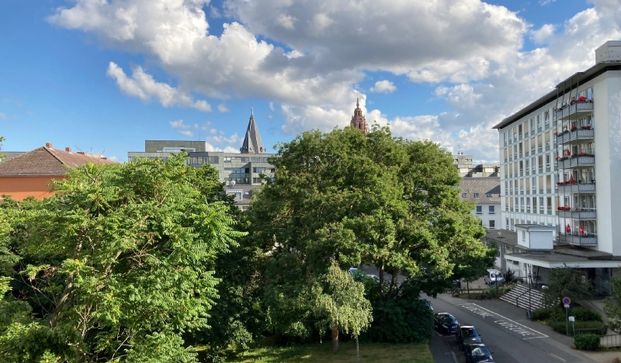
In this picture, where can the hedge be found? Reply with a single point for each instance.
(558, 314)
(595, 327)
(587, 342)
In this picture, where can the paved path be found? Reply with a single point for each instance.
(506, 330)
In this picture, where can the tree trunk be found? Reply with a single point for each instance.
(357, 349)
(335, 338)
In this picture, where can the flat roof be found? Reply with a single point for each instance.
(557, 260)
(575, 79)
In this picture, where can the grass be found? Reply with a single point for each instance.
(369, 352)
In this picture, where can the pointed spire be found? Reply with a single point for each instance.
(358, 121)
(252, 140)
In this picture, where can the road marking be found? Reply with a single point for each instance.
(557, 357)
(525, 332)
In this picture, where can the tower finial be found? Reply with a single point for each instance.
(251, 111)
(357, 102)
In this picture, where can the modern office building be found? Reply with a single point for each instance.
(468, 168)
(560, 176)
(242, 173)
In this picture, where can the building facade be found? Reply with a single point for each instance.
(242, 173)
(484, 194)
(31, 174)
(560, 170)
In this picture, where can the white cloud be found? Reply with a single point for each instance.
(383, 86)
(222, 108)
(308, 56)
(542, 34)
(184, 129)
(143, 86)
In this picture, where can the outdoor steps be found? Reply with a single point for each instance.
(518, 296)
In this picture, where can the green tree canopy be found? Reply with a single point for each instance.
(359, 199)
(613, 305)
(567, 282)
(118, 264)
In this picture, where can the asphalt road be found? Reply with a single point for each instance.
(505, 329)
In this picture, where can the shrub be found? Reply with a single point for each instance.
(594, 327)
(584, 314)
(542, 314)
(587, 341)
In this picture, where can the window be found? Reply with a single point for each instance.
(479, 209)
(474, 195)
(464, 195)
(491, 209)
(492, 224)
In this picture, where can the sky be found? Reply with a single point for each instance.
(102, 76)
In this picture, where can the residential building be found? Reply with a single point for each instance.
(560, 170)
(31, 174)
(484, 193)
(467, 168)
(242, 173)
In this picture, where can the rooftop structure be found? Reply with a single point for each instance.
(358, 120)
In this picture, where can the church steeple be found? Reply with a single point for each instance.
(252, 140)
(358, 120)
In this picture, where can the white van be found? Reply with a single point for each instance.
(493, 277)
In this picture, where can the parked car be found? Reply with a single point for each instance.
(478, 353)
(493, 277)
(445, 323)
(467, 335)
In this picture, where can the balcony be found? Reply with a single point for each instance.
(577, 213)
(586, 240)
(576, 161)
(576, 136)
(575, 111)
(573, 187)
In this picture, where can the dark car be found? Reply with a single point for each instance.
(478, 353)
(445, 323)
(467, 335)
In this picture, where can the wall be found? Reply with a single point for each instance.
(19, 188)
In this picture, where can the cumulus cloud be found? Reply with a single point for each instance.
(142, 85)
(542, 34)
(222, 108)
(383, 86)
(307, 57)
(183, 128)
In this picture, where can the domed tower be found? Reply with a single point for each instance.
(358, 121)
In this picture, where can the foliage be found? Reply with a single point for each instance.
(400, 318)
(566, 282)
(587, 341)
(359, 199)
(118, 264)
(613, 305)
(558, 313)
(542, 314)
(340, 304)
(319, 353)
(596, 327)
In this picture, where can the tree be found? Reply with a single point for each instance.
(340, 305)
(566, 282)
(613, 305)
(353, 198)
(118, 264)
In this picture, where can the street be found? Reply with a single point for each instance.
(505, 330)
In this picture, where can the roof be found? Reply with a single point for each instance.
(46, 161)
(534, 227)
(487, 188)
(252, 140)
(561, 88)
(557, 260)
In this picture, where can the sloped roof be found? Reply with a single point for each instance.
(487, 188)
(252, 140)
(46, 160)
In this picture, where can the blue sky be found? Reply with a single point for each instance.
(103, 76)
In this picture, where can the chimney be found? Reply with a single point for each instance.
(81, 153)
(68, 149)
(48, 145)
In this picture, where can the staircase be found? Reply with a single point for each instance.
(519, 296)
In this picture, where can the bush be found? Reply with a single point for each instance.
(594, 327)
(587, 341)
(584, 314)
(542, 314)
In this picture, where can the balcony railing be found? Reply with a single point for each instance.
(576, 160)
(585, 240)
(573, 187)
(575, 110)
(572, 136)
(577, 213)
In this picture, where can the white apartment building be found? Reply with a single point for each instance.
(560, 176)
(484, 194)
